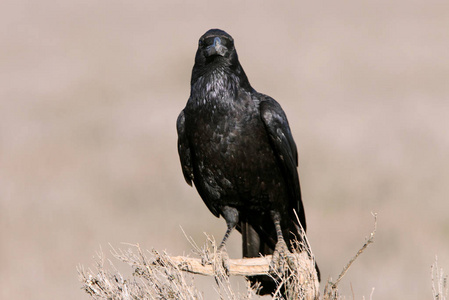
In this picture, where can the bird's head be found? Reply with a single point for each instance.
(216, 51)
(216, 46)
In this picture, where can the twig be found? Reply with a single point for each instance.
(369, 241)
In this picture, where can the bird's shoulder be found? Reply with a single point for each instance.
(270, 110)
(277, 126)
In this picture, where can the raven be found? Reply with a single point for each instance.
(235, 144)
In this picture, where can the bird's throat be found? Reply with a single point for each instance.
(216, 85)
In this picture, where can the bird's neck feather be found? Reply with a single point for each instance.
(220, 82)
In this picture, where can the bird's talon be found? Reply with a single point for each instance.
(222, 258)
(281, 257)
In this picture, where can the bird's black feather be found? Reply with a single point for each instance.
(235, 144)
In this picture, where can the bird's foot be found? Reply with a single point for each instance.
(222, 263)
(282, 259)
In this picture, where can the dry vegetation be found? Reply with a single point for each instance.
(439, 282)
(158, 276)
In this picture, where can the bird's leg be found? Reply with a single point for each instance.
(281, 252)
(231, 216)
(222, 255)
(226, 236)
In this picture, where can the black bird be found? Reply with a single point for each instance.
(235, 144)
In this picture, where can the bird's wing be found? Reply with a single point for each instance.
(185, 155)
(284, 146)
(184, 149)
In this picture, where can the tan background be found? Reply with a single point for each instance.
(90, 92)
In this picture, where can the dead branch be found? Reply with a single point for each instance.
(240, 267)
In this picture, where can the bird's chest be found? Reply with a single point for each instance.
(224, 130)
(230, 148)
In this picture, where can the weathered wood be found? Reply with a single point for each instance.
(241, 267)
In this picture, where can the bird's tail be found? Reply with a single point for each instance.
(254, 246)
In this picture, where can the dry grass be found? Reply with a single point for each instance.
(156, 275)
(439, 282)
(147, 282)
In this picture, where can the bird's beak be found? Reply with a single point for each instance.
(216, 48)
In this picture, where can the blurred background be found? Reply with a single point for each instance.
(89, 96)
